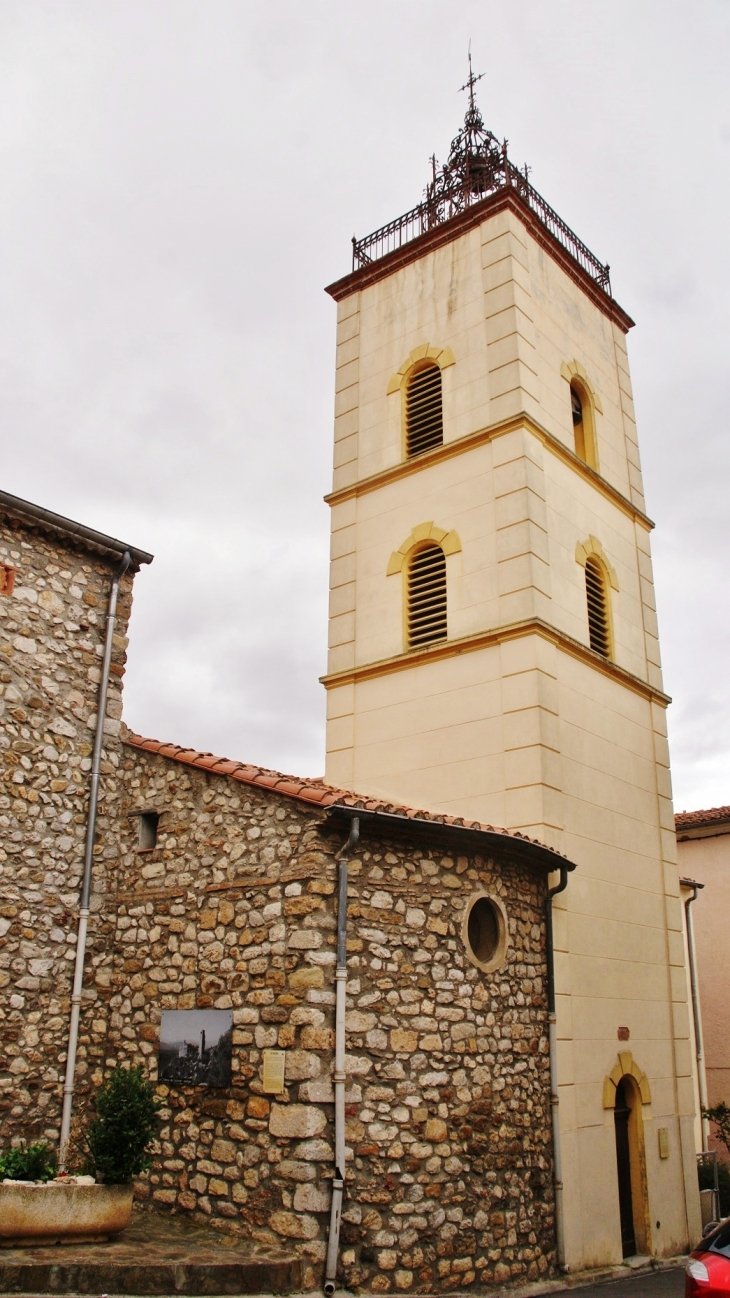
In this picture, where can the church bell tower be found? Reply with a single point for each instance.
(494, 650)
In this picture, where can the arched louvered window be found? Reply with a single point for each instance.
(424, 415)
(598, 617)
(427, 596)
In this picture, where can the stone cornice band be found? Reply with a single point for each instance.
(484, 640)
(479, 438)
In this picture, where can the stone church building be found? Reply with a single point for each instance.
(482, 1032)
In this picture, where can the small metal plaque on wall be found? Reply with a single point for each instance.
(663, 1134)
(274, 1071)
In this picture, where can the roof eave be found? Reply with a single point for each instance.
(703, 828)
(26, 511)
(476, 840)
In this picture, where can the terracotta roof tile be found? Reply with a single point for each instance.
(315, 791)
(691, 819)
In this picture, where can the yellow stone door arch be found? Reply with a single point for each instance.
(630, 1083)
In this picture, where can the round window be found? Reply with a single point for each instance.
(485, 932)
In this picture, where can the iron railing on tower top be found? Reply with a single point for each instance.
(450, 194)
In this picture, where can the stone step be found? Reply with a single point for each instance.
(257, 1273)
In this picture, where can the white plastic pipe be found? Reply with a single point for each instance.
(696, 1016)
(557, 1152)
(554, 1080)
(85, 899)
(339, 1076)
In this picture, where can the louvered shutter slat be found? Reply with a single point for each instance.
(596, 598)
(427, 597)
(424, 414)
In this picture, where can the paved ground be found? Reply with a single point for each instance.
(156, 1254)
(163, 1255)
(665, 1283)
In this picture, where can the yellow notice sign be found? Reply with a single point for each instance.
(274, 1071)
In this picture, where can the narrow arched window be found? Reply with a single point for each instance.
(424, 413)
(597, 599)
(584, 424)
(579, 431)
(426, 596)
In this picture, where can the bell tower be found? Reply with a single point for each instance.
(494, 650)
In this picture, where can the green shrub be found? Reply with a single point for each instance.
(28, 1163)
(119, 1136)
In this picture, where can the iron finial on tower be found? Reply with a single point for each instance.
(471, 81)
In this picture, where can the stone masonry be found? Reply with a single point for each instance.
(449, 1178)
(449, 1172)
(52, 623)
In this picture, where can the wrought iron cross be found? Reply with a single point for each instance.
(471, 81)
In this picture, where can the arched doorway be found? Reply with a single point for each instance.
(631, 1168)
(625, 1090)
(621, 1115)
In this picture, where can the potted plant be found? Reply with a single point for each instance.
(38, 1207)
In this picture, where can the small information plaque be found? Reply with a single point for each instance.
(274, 1071)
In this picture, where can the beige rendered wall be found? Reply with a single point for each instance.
(707, 859)
(523, 726)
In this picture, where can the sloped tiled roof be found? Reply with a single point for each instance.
(314, 791)
(696, 819)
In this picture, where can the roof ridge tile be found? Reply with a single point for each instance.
(708, 816)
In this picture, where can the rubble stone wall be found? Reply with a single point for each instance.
(52, 628)
(449, 1171)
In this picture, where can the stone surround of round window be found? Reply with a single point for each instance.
(484, 932)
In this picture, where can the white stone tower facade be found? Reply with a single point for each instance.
(493, 636)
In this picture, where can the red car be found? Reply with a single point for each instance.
(707, 1274)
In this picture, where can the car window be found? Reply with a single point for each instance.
(720, 1241)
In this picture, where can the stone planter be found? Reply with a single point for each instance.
(62, 1214)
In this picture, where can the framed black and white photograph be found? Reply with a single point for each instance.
(195, 1048)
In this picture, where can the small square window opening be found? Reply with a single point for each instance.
(148, 823)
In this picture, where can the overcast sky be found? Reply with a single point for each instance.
(179, 180)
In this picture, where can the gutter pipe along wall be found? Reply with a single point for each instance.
(85, 899)
(338, 1184)
(696, 1018)
(554, 1083)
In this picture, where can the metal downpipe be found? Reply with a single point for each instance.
(85, 898)
(338, 1183)
(697, 1020)
(554, 1091)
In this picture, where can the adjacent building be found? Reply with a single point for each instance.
(703, 847)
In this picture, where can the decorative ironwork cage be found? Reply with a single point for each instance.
(477, 166)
